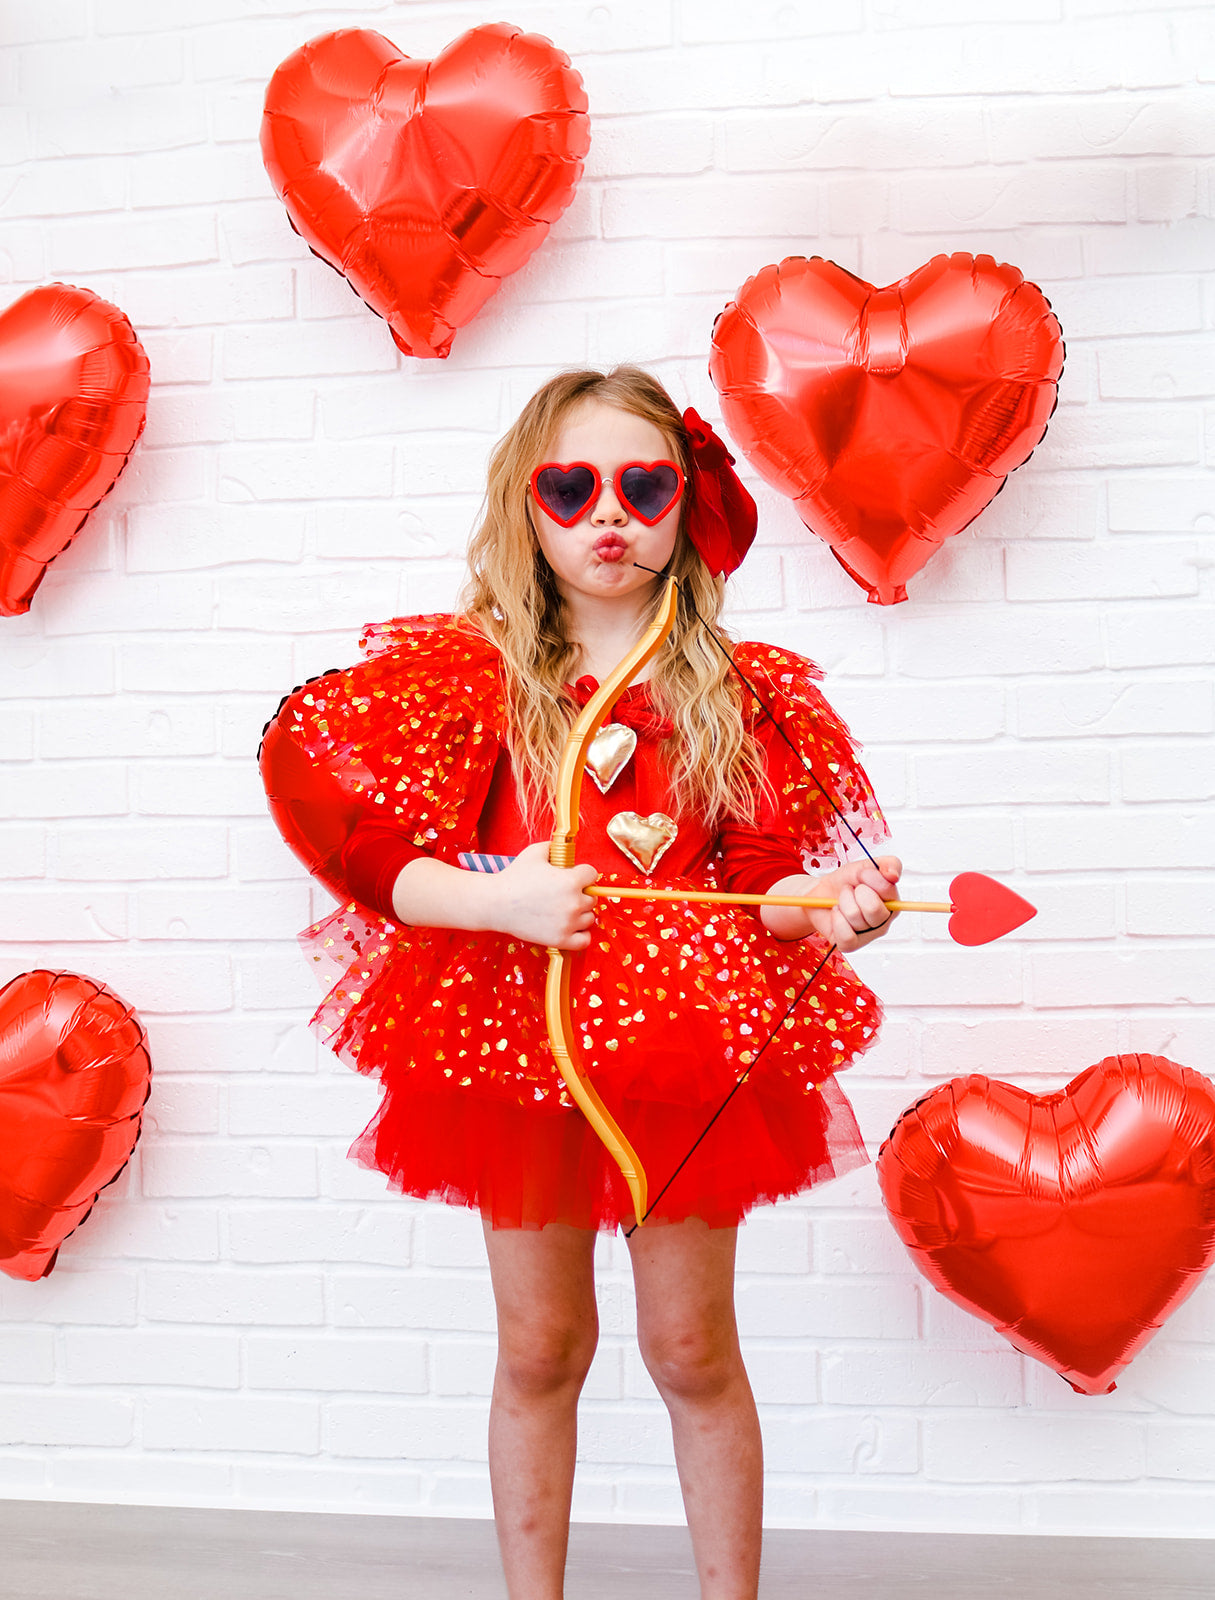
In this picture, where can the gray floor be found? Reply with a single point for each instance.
(53, 1551)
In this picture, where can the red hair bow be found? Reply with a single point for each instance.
(722, 517)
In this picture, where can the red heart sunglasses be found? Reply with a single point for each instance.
(647, 489)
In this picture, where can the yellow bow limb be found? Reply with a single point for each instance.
(558, 1012)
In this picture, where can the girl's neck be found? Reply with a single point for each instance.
(605, 630)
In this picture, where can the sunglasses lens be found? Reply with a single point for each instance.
(650, 491)
(565, 494)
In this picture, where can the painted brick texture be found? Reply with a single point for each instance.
(247, 1318)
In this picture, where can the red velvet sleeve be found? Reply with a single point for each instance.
(371, 860)
(753, 861)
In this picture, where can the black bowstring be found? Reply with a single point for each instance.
(830, 799)
(796, 1001)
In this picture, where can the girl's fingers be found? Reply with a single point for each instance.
(844, 918)
(883, 885)
(872, 908)
(859, 914)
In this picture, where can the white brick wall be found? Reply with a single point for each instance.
(247, 1318)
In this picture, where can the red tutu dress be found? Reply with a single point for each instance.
(671, 1001)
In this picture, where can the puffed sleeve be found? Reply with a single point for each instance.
(404, 741)
(820, 804)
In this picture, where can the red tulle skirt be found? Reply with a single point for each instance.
(522, 1171)
(474, 1113)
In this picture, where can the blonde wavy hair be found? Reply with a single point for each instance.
(512, 596)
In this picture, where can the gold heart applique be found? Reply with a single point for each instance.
(645, 840)
(610, 753)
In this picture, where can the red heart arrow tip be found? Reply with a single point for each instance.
(984, 910)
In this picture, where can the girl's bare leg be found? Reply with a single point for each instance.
(548, 1326)
(684, 1274)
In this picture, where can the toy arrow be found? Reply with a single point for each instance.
(980, 909)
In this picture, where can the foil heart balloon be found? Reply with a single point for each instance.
(891, 417)
(1074, 1223)
(74, 1076)
(425, 183)
(315, 804)
(73, 395)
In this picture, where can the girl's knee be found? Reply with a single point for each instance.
(540, 1361)
(695, 1365)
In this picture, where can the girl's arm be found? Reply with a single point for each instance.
(529, 900)
(753, 858)
(861, 915)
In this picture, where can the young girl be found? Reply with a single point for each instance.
(442, 751)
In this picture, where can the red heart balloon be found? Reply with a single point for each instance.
(890, 416)
(1074, 1223)
(74, 1076)
(73, 396)
(425, 183)
(315, 804)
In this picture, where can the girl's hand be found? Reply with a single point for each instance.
(542, 904)
(861, 915)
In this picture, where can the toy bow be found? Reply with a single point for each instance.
(557, 1004)
(558, 1013)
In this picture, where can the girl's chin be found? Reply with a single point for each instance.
(603, 580)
